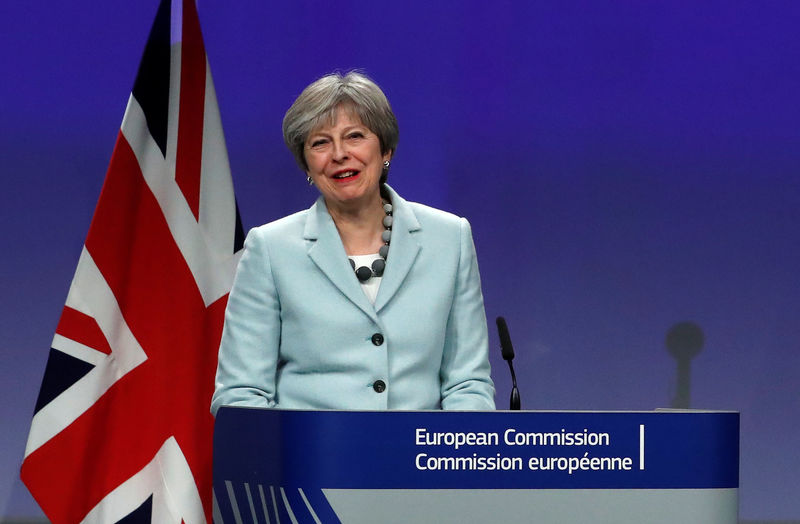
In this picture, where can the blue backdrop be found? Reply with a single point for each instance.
(625, 166)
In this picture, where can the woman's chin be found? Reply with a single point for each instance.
(350, 194)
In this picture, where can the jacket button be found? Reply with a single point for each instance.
(379, 386)
(377, 339)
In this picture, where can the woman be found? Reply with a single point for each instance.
(401, 325)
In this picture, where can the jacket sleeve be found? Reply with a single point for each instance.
(249, 349)
(466, 382)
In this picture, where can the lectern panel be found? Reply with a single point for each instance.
(332, 466)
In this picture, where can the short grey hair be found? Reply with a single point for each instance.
(318, 102)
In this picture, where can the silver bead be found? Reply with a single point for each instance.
(387, 221)
(386, 236)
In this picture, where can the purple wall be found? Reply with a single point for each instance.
(625, 166)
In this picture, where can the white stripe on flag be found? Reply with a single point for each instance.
(213, 271)
(168, 479)
(217, 204)
(78, 350)
(89, 294)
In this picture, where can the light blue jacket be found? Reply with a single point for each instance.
(299, 329)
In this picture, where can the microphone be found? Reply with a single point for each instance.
(508, 355)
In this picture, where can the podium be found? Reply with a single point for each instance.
(287, 466)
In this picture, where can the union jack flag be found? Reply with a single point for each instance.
(122, 429)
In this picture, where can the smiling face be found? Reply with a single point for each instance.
(345, 161)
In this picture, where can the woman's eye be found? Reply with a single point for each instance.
(356, 134)
(316, 144)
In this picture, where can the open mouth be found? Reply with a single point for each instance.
(345, 174)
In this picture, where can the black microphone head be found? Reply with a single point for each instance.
(505, 339)
(514, 403)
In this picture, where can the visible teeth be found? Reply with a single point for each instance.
(345, 175)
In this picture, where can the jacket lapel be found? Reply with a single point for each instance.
(403, 250)
(327, 252)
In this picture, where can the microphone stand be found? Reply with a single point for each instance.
(508, 355)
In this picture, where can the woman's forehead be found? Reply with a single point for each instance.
(330, 118)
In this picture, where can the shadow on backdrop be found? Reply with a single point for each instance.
(684, 342)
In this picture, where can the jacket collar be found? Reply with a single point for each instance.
(327, 252)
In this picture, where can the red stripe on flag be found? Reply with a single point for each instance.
(82, 328)
(169, 394)
(192, 103)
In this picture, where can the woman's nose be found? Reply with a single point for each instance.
(339, 151)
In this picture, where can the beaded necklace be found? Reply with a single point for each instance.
(364, 273)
